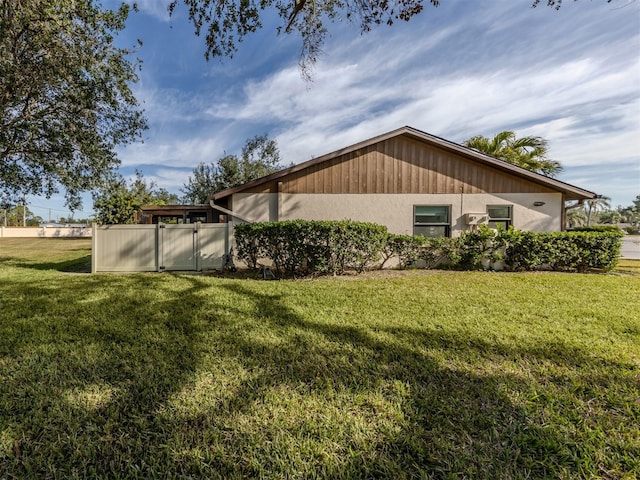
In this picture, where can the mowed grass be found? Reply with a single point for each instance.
(628, 266)
(406, 375)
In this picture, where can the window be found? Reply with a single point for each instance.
(432, 220)
(499, 216)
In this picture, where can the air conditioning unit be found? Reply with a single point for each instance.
(476, 218)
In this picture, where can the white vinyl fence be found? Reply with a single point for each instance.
(159, 248)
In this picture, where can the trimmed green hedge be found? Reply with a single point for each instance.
(597, 228)
(301, 247)
(563, 251)
(306, 246)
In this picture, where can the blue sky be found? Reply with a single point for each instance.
(465, 68)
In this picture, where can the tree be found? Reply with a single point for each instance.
(201, 185)
(227, 22)
(65, 101)
(119, 202)
(17, 216)
(553, 3)
(260, 156)
(595, 205)
(525, 152)
(631, 213)
(610, 217)
(576, 217)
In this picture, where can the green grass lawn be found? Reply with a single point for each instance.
(406, 375)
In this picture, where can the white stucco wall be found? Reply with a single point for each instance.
(35, 232)
(396, 211)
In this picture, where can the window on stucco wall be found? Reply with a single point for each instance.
(432, 220)
(500, 216)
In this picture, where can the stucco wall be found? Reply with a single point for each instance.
(396, 211)
(35, 232)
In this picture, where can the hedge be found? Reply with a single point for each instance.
(563, 251)
(301, 247)
(307, 246)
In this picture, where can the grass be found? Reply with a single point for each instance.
(410, 375)
(628, 266)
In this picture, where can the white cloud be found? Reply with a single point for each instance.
(569, 76)
(155, 8)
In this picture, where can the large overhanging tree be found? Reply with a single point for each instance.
(226, 22)
(65, 97)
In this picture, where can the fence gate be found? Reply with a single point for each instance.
(162, 247)
(177, 247)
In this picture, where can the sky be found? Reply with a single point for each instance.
(465, 68)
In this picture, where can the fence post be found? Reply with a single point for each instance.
(196, 245)
(94, 247)
(158, 248)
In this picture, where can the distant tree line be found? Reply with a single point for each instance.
(599, 211)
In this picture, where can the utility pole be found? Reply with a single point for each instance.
(24, 211)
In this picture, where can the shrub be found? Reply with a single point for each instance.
(633, 230)
(472, 247)
(436, 252)
(563, 251)
(597, 228)
(406, 247)
(303, 247)
(307, 246)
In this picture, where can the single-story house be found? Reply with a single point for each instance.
(410, 181)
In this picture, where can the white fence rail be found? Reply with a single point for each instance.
(44, 232)
(161, 247)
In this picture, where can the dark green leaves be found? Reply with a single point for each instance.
(119, 203)
(65, 100)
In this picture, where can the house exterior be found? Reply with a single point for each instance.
(410, 181)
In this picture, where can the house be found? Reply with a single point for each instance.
(410, 181)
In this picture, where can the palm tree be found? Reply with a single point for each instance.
(596, 205)
(525, 152)
(576, 217)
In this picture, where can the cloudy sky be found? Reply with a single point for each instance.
(465, 68)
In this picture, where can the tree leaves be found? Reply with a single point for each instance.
(118, 203)
(226, 22)
(260, 156)
(65, 100)
(526, 152)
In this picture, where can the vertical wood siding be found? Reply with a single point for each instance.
(400, 165)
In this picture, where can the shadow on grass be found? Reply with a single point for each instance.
(455, 422)
(100, 378)
(75, 265)
(85, 367)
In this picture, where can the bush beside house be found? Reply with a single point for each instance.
(302, 247)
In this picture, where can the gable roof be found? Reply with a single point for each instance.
(571, 191)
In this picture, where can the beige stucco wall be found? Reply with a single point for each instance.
(35, 232)
(396, 211)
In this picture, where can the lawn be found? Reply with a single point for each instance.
(403, 375)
